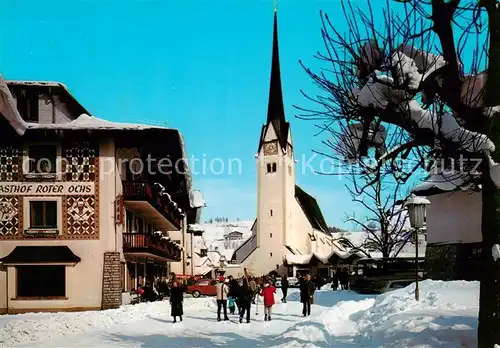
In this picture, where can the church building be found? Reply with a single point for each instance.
(289, 234)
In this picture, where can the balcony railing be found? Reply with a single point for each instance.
(142, 191)
(137, 190)
(146, 243)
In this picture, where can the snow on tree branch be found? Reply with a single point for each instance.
(394, 84)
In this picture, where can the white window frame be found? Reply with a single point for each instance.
(26, 162)
(27, 213)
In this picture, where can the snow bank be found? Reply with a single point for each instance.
(32, 327)
(445, 316)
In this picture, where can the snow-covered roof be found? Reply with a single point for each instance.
(9, 110)
(409, 250)
(92, 123)
(305, 259)
(196, 228)
(202, 270)
(227, 253)
(444, 181)
(298, 259)
(417, 200)
(37, 83)
(356, 238)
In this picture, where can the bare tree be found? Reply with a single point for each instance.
(388, 81)
(386, 223)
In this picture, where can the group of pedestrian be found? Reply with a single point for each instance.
(233, 295)
(154, 289)
(341, 276)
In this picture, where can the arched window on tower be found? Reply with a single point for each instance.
(271, 168)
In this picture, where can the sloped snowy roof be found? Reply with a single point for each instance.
(444, 181)
(298, 259)
(305, 259)
(356, 238)
(196, 228)
(408, 250)
(8, 108)
(37, 83)
(202, 270)
(92, 123)
(227, 253)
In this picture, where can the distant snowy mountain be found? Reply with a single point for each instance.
(219, 239)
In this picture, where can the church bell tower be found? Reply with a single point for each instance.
(275, 173)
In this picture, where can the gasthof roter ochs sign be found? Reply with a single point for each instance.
(46, 189)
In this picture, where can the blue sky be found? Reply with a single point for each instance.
(199, 66)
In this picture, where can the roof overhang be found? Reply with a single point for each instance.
(36, 255)
(8, 108)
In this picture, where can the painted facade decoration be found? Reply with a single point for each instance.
(10, 221)
(10, 163)
(81, 217)
(81, 162)
(78, 190)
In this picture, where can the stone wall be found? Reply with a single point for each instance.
(111, 282)
(453, 261)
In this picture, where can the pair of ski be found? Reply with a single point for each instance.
(257, 300)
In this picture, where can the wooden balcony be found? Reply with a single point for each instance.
(142, 244)
(145, 200)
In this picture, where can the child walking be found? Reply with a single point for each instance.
(231, 305)
(268, 293)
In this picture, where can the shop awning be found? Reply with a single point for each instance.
(40, 254)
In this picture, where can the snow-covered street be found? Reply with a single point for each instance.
(446, 316)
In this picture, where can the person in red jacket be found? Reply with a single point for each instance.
(268, 293)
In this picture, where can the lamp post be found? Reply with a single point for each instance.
(416, 212)
(222, 264)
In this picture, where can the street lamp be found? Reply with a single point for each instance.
(222, 263)
(416, 212)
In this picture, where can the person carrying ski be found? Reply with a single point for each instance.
(253, 286)
(245, 300)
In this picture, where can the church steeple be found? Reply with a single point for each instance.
(275, 108)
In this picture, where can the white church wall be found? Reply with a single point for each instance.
(300, 240)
